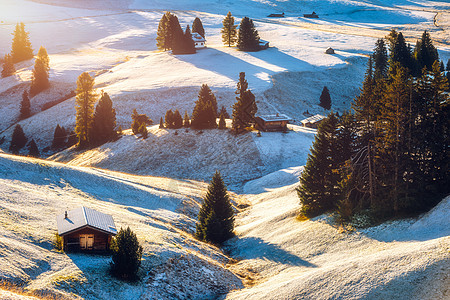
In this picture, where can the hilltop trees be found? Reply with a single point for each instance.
(85, 100)
(39, 80)
(205, 110)
(104, 122)
(325, 99)
(25, 110)
(170, 36)
(8, 66)
(163, 35)
(126, 254)
(248, 38)
(197, 26)
(140, 122)
(216, 216)
(229, 30)
(245, 108)
(21, 47)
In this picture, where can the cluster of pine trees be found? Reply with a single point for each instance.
(389, 158)
(246, 38)
(93, 128)
(170, 35)
(140, 123)
(19, 140)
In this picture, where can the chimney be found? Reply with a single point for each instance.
(65, 215)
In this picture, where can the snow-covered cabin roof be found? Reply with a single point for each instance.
(313, 119)
(85, 217)
(196, 37)
(273, 118)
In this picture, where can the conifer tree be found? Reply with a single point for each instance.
(85, 99)
(161, 123)
(318, 190)
(177, 120)
(21, 47)
(72, 139)
(169, 119)
(39, 80)
(245, 108)
(248, 38)
(8, 66)
(189, 45)
(425, 52)
(178, 37)
(325, 99)
(163, 36)
(197, 26)
(223, 111)
(126, 254)
(138, 121)
(229, 33)
(143, 131)
(441, 66)
(205, 110)
(400, 53)
(33, 149)
(448, 64)
(222, 123)
(380, 59)
(104, 123)
(59, 137)
(216, 216)
(25, 110)
(186, 121)
(18, 139)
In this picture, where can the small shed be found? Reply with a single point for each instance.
(199, 41)
(276, 15)
(277, 122)
(312, 122)
(85, 229)
(313, 15)
(329, 50)
(263, 44)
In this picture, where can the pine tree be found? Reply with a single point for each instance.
(39, 80)
(161, 123)
(8, 66)
(25, 110)
(197, 26)
(163, 36)
(138, 121)
(223, 111)
(169, 119)
(186, 121)
(59, 137)
(318, 190)
(33, 149)
(245, 108)
(126, 254)
(380, 59)
(18, 139)
(248, 38)
(222, 123)
(216, 216)
(85, 100)
(325, 99)
(441, 66)
(143, 131)
(205, 110)
(177, 120)
(178, 37)
(400, 53)
(104, 123)
(21, 47)
(425, 52)
(229, 33)
(189, 47)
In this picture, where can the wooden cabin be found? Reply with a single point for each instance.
(263, 44)
(85, 229)
(276, 122)
(329, 50)
(313, 15)
(199, 41)
(313, 121)
(276, 15)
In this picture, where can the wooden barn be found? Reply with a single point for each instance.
(329, 50)
(313, 121)
(313, 15)
(276, 15)
(276, 122)
(199, 41)
(263, 44)
(85, 229)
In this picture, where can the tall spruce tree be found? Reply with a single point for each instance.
(216, 216)
(104, 123)
(245, 108)
(177, 119)
(8, 66)
(400, 53)
(169, 119)
(85, 99)
(39, 79)
(59, 137)
(18, 139)
(425, 52)
(25, 106)
(178, 37)
(189, 45)
(325, 99)
(229, 33)
(223, 111)
(205, 110)
(222, 123)
(248, 38)
(33, 149)
(21, 47)
(197, 26)
(163, 36)
(380, 59)
(318, 190)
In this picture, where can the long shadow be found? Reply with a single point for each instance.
(256, 248)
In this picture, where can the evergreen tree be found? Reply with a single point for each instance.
(104, 124)
(138, 121)
(85, 100)
(21, 47)
(448, 64)
(143, 131)
(325, 99)
(318, 190)
(169, 119)
(161, 123)
(72, 139)
(177, 120)
(18, 139)
(216, 216)
(163, 36)
(8, 66)
(197, 26)
(223, 111)
(245, 108)
(39, 79)
(229, 30)
(178, 37)
(205, 110)
(400, 53)
(59, 137)
(380, 59)
(186, 121)
(25, 110)
(425, 52)
(441, 66)
(222, 123)
(248, 38)
(126, 254)
(189, 45)
(33, 149)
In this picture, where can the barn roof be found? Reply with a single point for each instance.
(196, 37)
(313, 119)
(85, 217)
(277, 117)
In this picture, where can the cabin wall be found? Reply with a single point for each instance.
(101, 240)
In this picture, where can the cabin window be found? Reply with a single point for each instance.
(86, 241)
